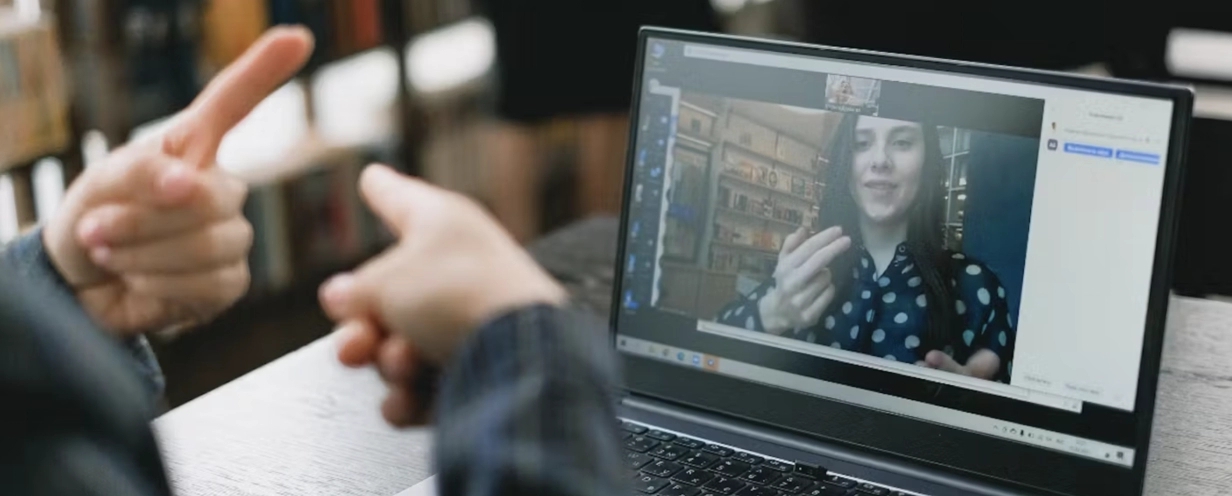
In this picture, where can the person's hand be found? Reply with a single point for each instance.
(154, 236)
(409, 309)
(803, 283)
(410, 380)
(984, 364)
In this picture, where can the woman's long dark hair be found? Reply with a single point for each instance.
(924, 232)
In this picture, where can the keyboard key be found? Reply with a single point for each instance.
(840, 481)
(778, 465)
(826, 490)
(662, 468)
(669, 452)
(810, 470)
(693, 477)
(649, 484)
(748, 458)
(641, 444)
(730, 468)
(759, 491)
(660, 435)
(793, 484)
(724, 485)
(633, 428)
(760, 475)
(690, 443)
(699, 459)
(718, 450)
(680, 490)
(635, 460)
(871, 490)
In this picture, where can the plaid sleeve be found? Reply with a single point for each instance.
(527, 408)
(28, 257)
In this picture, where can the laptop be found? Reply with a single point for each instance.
(844, 272)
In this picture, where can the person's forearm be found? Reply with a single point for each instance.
(28, 257)
(527, 409)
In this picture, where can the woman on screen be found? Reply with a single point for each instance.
(878, 279)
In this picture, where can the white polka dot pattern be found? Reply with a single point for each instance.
(982, 294)
(974, 269)
(901, 318)
(912, 342)
(889, 297)
(878, 336)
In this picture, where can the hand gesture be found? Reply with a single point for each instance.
(411, 308)
(984, 364)
(154, 236)
(803, 283)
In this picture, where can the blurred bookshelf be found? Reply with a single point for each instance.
(742, 180)
(955, 149)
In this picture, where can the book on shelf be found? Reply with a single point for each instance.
(313, 14)
(230, 27)
(33, 90)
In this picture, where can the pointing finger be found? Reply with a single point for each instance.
(269, 63)
(396, 198)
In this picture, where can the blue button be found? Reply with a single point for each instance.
(1131, 156)
(1094, 151)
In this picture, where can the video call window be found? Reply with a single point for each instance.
(848, 230)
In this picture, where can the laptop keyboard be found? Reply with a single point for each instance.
(666, 464)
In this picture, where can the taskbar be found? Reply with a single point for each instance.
(1055, 441)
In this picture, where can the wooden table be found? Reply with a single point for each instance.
(305, 425)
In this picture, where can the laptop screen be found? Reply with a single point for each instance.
(966, 251)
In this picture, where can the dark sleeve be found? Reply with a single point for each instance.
(745, 312)
(28, 257)
(76, 413)
(527, 408)
(988, 323)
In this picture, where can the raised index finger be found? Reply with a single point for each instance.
(265, 66)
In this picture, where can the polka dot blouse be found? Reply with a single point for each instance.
(885, 316)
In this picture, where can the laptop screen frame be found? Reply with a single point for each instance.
(940, 447)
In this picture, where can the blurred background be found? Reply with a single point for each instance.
(521, 104)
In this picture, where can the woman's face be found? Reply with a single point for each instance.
(885, 169)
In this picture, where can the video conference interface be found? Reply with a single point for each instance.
(923, 235)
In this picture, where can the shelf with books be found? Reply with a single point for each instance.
(758, 218)
(777, 192)
(777, 161)
(691, 139)
(740, 246)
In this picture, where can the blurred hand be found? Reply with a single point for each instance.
(803, 284)
(154, 236)
(453, 269)
(984, 364)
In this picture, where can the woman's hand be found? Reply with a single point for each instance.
(984, 364)
(803, 283)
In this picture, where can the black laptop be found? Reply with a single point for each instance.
(845, 272)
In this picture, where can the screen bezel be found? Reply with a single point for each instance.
(946, 448)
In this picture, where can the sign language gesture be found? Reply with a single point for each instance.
(154, 236)
(803, 284)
